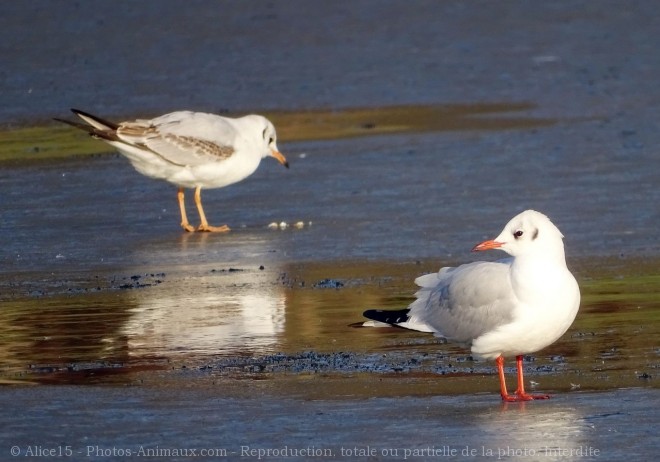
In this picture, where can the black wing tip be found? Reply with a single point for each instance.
(94, 132)
(368, 313)
(387, 316)
(79, 112)
(107, 123)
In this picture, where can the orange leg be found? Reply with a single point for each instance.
(204, 226)
(520, 394)
(182, 206)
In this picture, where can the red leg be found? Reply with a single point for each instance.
(500, 370)
(520, 394)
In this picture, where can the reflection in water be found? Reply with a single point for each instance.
(196, 313)
(202, 315)
(108, 331)
(63, 334)
(208, 307)
(527, 431)
(94, 323)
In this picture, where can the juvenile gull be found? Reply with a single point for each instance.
(510, 307)
(190, 149)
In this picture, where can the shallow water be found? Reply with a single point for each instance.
(101, 288)
(98, 280)
(582, 427)
(250, 338)
(269, 318)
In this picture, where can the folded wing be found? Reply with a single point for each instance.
(183, 138)
(465, 302)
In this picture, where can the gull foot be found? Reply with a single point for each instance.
(188, 227)
(213, 229)
(522, 397)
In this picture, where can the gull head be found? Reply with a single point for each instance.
(528, 233)
(268, 138)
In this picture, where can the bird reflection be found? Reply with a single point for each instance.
(210, 314)
(551, 432)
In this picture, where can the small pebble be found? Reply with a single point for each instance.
(284, 225)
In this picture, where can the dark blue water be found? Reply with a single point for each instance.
(594, 172)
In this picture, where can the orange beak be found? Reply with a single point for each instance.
(279, 157)
(487, 245)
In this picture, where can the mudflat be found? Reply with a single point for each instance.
(410, 140)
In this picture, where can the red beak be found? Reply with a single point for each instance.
(487, 245)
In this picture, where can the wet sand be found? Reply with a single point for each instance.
(580, 426)
(409, 141)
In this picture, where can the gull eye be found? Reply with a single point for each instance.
(518, 234)
(268, 136)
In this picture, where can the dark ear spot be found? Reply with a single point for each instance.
(536, 234)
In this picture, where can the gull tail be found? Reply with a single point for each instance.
(95, 121)
(391, 317)
(97, 128)
(394, 318)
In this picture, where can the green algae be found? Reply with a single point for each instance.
(55, 141)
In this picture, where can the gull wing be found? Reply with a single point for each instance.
(465, 302)
(183, 138)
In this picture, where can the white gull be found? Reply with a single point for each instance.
(510, 307)
(190, 149)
